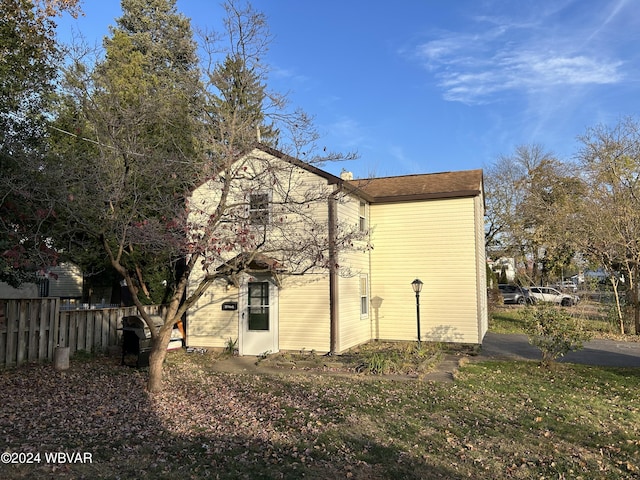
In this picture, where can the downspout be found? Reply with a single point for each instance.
(333, 273)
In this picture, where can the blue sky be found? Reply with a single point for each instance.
(419, 86)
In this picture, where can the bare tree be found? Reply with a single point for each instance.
(530, 200)
(155, 139)
(609, 226)
(504, 198)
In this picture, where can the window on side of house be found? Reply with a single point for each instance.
(363, 216)
(259, 208)
(364, 295)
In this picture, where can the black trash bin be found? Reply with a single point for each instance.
(136, 341)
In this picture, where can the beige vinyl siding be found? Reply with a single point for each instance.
(433, 240)
(65, 281)
(353, 328)
(303, 315)
(297, 207)
(25, 290)
(440, 241)
(207, 324)
(481, 271)
(303, 302)
(304, 321)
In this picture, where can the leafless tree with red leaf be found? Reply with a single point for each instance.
(149, 131)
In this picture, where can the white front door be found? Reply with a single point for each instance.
(259, 318)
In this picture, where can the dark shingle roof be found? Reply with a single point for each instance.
(467, 183)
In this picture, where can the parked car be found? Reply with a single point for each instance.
(548, 294)
(567, 286)
(514, 294)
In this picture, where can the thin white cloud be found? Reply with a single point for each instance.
(617, 8)
(288, 74)
(567, 70)
(437, 51)
(347, 131)
(398, 155)
(524, 57)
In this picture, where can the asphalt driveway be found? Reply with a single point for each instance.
(606, 353)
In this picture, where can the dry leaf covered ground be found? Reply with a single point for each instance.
(497, 420)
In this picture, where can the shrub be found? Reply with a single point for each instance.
(231, 347)
(379, 364)
(554, 331)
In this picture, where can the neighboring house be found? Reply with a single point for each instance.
(26, 290)
(599, 275)
(416, 226)
(506, 264)
(63, 281)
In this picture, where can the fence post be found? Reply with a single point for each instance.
(54, 326)
(22, 327)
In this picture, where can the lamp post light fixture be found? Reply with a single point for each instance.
(417, 288)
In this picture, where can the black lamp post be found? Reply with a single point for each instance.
(417, 287)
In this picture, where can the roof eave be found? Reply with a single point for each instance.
(425, 196)
(331, 179)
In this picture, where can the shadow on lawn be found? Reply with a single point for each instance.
(202, 426)
(231, 426)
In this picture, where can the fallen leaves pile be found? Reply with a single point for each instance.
(201, 425)
(217, 425)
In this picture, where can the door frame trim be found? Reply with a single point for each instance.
(243, 312)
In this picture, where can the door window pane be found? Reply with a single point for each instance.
(259, 306)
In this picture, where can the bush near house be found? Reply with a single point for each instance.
(554, 331)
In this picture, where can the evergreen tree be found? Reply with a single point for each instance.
(149, 80)
(238, 109)
(133, 155)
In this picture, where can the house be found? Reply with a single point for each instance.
(506, 265)
(64, 280)
(415, 226)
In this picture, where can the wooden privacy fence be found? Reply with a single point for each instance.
(31, 329)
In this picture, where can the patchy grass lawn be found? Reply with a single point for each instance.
(497, 420)
(508, 319)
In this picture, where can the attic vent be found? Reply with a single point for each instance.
(345, 175)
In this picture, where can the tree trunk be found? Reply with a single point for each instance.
(637, 319)
(616, 295)
(156, 359)
(636, 300)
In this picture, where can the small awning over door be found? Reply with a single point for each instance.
(253, 262)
